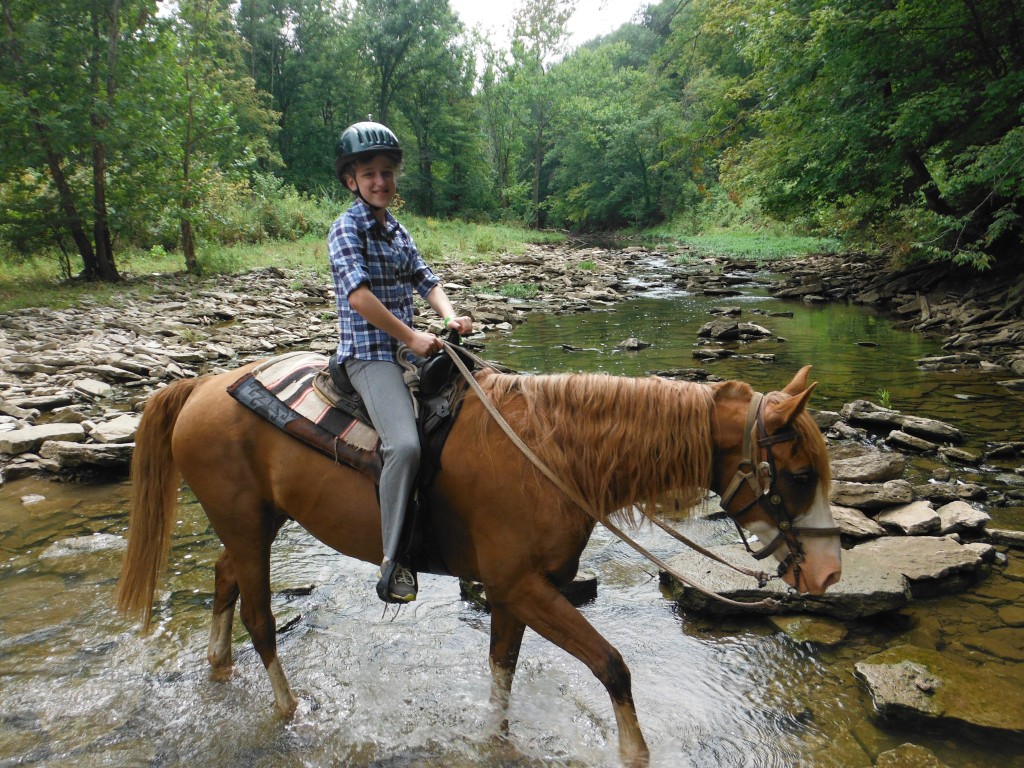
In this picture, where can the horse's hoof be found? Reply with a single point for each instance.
(286, 711)
(221, 672)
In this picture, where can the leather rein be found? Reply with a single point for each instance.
(750, 477)
(761, 477)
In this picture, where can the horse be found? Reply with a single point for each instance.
(630, 447)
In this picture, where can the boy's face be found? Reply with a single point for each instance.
(375, 180)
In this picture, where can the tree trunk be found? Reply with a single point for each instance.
(105, 268)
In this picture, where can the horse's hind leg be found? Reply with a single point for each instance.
(249, 555)
(225, 595)
(506, 639)
(537, 602)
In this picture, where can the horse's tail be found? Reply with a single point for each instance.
(155, 482)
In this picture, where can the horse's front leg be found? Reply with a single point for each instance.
(537, 603)
(225, 595)
(506, 639)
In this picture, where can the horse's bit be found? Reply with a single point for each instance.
(761, 479)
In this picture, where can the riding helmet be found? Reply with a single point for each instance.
(365, 139)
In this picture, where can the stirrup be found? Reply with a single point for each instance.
(397, 583)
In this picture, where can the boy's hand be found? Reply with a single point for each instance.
(464, 325)
(423, 344)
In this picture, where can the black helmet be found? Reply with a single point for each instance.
(364, 139)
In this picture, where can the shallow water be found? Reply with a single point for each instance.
(79, 687)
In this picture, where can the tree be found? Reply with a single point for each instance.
(61, 79)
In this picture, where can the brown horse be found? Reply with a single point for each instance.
(623, 444)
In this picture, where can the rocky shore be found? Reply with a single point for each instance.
(73, 383)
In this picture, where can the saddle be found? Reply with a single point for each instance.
(311, 398)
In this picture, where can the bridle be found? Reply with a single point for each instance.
(761, 477)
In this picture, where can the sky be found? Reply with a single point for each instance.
(592, 17)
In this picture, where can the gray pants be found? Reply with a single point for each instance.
(389, 404)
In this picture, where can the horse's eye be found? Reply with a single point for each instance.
(802, 478)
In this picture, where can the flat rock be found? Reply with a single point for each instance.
(909, 442)
(869, 467)
(82, 545)
(93, 388)
(810, 629)
(866, 588)
(855, 524)
(871, 496)
(30, 438)
(914, 519)
(921, 686)
(932, 564)
(121, 429)
(909, 756)
(84, 456)
(961, 517)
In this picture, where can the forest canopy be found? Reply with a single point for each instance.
(894, 125)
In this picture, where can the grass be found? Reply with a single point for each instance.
(754, 246)
(38, 282)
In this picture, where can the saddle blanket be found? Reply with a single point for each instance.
(283, 390)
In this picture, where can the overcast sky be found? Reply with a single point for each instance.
(592, 17)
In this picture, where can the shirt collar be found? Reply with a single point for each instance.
(366, 221)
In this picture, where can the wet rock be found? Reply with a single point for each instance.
(908, 442)
(88, 455)
(855, 524)
(868, 586)
(933, 565)
(871, 496)
(869, 467)
(943, 493)
(909, 756)
(632, 344)
(1007, 538)
(914, 519)
(83, 545)
(959, 455)
(808, 629)
(121, 429)
(961, 517)
(93, 388)
(924, 687)
(30, 438)
(931, 429)
(867, 413)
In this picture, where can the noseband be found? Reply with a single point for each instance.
(761, 478)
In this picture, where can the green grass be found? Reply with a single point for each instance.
(38, 282)
(518, 291)
(755, 246)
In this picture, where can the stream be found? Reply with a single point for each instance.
(80, 687)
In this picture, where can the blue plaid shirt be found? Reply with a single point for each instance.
(362, 253)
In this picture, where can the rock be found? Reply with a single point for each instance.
(906, 441)
(121, 429)
(855, 524)
(920, 686)
(1007, 538)
(78, 455)
(632, 344)
(943, 493)
(867, 587)
(83, 545)
(961, 517)
(909, 756)
(808, 629)
(30, 438)
(933, 565)
(914, 519)
(825, 419)
(931, 429)
(869, 414)
(959, 455)
(869, 496)
(93, 388)
(872, 467)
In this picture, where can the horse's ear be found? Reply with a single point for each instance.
(787, 410)
(799, 382)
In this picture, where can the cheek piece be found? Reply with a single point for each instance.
(761, 479)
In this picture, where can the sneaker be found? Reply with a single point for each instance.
(401, 583)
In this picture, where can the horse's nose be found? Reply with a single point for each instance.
(832, 578)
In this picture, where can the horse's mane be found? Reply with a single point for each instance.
(623, 444)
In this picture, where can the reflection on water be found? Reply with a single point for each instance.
(80, 688)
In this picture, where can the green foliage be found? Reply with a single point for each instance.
(518, 291)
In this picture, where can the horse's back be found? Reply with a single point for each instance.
(245, 472)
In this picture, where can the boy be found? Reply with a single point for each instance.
(376, 268)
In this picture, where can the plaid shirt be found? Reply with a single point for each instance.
(363, 253)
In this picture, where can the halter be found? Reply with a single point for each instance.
(761, 479)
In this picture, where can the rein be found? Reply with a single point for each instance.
(762, 578)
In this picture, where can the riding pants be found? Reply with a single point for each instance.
(389, 404)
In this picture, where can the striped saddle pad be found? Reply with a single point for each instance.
(293, 392)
